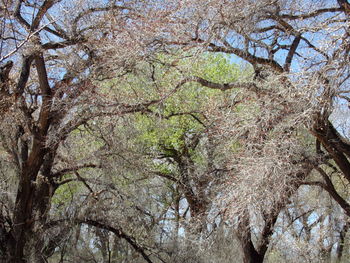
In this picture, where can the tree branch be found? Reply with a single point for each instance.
(19, 17)
(119, 233)
(44, 120)
(291, 53)
(42, 11)
(23, 78)
(312, 14)
(247, 56)
(73, 169)
(93, 10)
(223, 87)
(62, 44)
(329, 187)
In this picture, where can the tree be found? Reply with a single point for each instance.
(68, 83)
(48, 91)
(301, 73)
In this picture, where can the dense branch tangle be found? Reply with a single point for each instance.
(291, 49)
(49, 92)
(39, 110)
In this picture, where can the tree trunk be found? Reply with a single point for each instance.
(22, 219)
(32, 206)
(341, 242)
(250, 255)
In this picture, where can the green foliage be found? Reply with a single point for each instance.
(65, 193)
(178, 115)
(217, 68)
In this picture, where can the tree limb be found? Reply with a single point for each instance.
(119, 233)
(329, 187)
(73, 169)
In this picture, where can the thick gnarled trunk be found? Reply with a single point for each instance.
(32, 205)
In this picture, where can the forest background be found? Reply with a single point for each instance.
(174, 131)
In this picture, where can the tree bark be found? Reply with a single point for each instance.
(250, 255)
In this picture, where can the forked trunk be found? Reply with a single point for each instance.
(250, 255)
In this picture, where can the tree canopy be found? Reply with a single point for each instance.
(174, 131)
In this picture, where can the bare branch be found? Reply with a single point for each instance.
(119, 233)
(333, 192)
(73, 169)
(41, 12)
(312, 14)
(19, 16)
(247, 56)
(291, 53)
